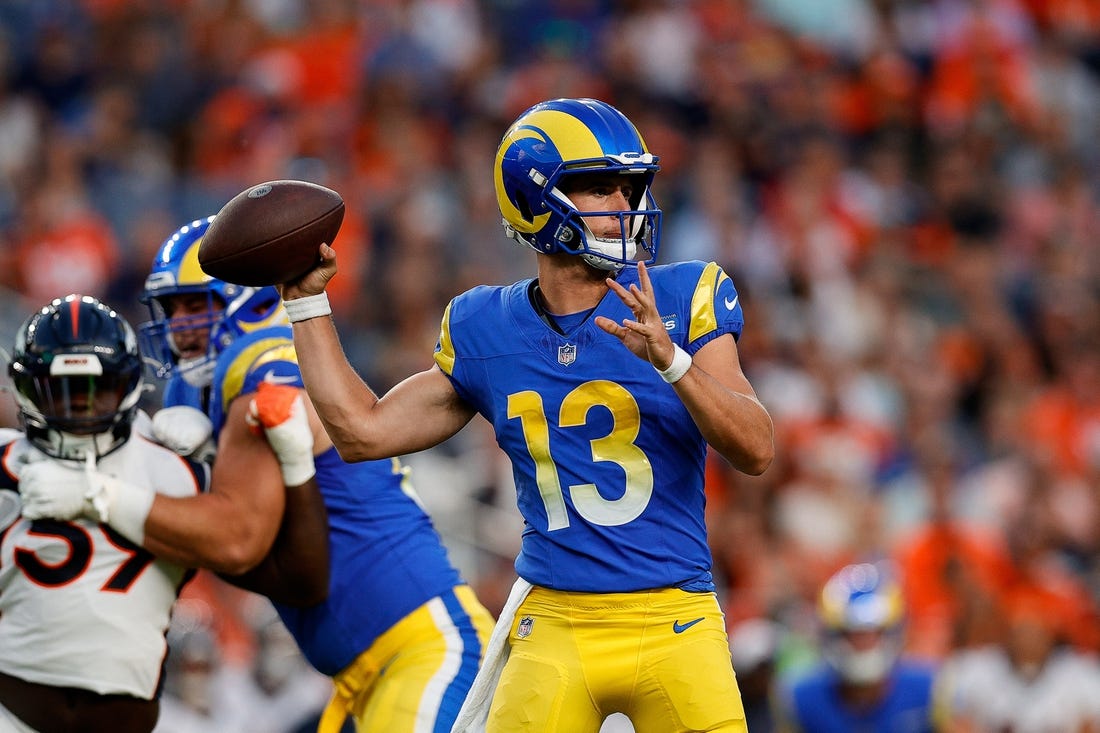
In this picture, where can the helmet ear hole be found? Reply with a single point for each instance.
(524, 208)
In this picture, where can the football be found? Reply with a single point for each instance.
(269, 233)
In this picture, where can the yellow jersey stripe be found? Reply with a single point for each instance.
(703, 318)
(258, 354)
(445, 357)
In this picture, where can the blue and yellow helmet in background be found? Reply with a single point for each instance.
(566, 137)
(862, 614)
(231, 310)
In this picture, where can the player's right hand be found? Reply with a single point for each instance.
(314, 281)
(53, 490)
(280, 412)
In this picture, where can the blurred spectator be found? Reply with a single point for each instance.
(287, 694)
(753, 647)
(274, 691)
(62, 244)
(202, 690)
(953, 573)
(1029, 681)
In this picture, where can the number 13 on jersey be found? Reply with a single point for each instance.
(617, 446)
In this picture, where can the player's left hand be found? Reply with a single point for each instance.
(280, 412)
(54, 490)
(645, 335)
(186, 431)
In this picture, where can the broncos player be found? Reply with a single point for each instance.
(605, 380)
(398, 630)
(83, 608)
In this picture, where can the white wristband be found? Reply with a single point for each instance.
(681, 362)
(311, 306)
(297, 473)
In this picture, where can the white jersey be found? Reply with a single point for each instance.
(81, 606)
(983, 686)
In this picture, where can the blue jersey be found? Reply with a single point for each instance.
(386, 559)
(815, 705)
(608, 464)
(179, 392)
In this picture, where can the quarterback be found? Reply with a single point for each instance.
(604, 380)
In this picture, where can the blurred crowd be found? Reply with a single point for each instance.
(905, 192)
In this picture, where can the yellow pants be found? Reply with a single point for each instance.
(660, 657)
(415, 676)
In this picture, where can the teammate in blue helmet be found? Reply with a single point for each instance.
(195, 316)
(393, 622)
(605, 381)
(864, 682)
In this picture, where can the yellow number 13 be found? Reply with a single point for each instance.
(617, 446)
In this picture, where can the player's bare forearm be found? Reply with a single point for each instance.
(338, 394)
(296, 570)
(418, 413)
(208, 531)
(725, 408)
(734, 423)
(231, 528)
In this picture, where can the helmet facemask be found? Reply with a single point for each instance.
(637, 226)
(165, 337)
(863, 656)
(208, 309)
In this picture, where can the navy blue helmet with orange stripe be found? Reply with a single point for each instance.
(77, 374)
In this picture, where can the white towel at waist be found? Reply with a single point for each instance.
(474, 714)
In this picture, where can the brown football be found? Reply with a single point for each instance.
(269, 233)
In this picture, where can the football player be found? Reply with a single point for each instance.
(605, 380)
(864, 683)
(84, 609)
(399, 630)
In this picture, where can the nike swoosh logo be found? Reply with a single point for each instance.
(731, 304)
(274, 378)
(679, 628)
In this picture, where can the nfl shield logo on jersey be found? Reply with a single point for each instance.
(524, 628)
(567, 354)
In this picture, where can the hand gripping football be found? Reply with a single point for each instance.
(269, 233)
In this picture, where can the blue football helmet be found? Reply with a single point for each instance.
(77, 374)
(862, 614)
(230, 311)
(567, 137)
